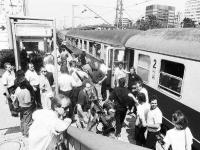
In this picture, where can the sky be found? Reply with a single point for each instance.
(62, 10)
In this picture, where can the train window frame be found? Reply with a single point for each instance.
(177, 94)
(90, 51)
(97, 51)
(143, 67)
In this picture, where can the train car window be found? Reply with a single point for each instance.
(76, 42)
(80, 44)
(97, 48)
(171, 77)
(119, 55)
(91, 47)
(85, 45)
(143, 67)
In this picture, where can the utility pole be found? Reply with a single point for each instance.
(73, 6)
(119, 14)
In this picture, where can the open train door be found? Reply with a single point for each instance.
(32, 35)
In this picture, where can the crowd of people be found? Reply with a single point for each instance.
(86, 100)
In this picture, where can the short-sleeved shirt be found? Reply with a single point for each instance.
(23, 96)
(32, 77)
(142, 111)
(154, 117)
(45, 124)
(66, 82)
(8, 79)
(143, 90)
(176, 138)
(83, 100)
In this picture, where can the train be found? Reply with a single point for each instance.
(168, 61)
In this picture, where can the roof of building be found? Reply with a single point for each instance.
(112, 37)
(179, 42)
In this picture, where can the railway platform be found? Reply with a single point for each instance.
(12, 139)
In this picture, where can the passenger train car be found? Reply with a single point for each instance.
(168, 60)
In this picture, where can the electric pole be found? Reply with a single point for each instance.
(119, 14)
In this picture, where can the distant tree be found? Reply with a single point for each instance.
(188, 23)
(151, 22)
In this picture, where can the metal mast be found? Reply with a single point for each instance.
(119, 14)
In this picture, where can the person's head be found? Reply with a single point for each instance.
(132, 70)
(20, 74)
(139, 85)
(8, 66)
(141, 98)
(153, 102)
(59, 103)
(64, 69)
(43, 71)
(120, 65)
(87, 86)
(31, 67)
(179, 120)
(72, 64)
(122, 82)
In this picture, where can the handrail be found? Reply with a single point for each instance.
(92, 141)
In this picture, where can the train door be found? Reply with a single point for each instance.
(129, 58)
(110, 66)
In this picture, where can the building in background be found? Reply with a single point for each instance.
(166, 14)
(7, 8)
(192, 10)
(179, 16)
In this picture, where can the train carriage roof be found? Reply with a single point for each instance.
(112, 37)
(179, 42)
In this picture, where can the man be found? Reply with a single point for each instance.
(154, 121)
(140, 123)
(85, 97)
(97, 78)
(119, 73)
(45, 89)
(141, 89)
(133, 78)
(104, 87)
(121, 101)
(43, 133)
(8, 77)
(34, 81)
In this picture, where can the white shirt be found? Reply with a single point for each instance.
(45, 124)
(120, 73)
(143, 90)
(32, 77)
(103, 68)
(8, 79)
(154, 117)
(176, 138)
(23, 96)
(142, 111)
(66, 82)
(82, 74)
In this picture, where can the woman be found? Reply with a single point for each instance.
(180, 137)
(43, 133)
(26, 105)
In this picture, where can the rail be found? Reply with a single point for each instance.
(78, 139)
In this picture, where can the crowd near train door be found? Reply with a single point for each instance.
(30, 37)
(115, 56)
